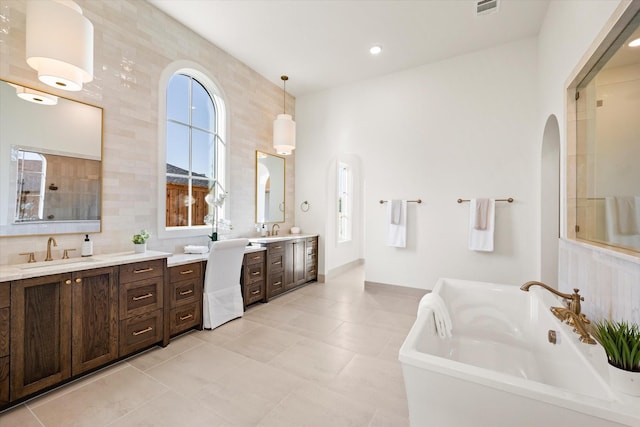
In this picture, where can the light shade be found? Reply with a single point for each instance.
(36, 96)
(284, 134)
(59, 43)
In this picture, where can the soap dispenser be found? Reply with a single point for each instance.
(87, 246)
(263, 230)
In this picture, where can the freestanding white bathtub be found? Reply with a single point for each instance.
(499, 368)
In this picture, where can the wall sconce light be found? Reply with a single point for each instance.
(284, 128)
(59, 43)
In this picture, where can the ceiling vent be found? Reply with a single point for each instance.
(485, 7)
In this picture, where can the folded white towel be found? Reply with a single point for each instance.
(397, 223)
(481, 240)
(440, 313)
(482, 214)
(627, 222)
(193, 249)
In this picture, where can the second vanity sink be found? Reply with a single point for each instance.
(45, 264)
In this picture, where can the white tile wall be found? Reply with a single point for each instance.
(608, 280)
(133, 43)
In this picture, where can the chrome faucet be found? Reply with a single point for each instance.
(51, 239)
(571, 314)
(274, 232)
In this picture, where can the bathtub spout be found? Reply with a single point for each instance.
(572, 300)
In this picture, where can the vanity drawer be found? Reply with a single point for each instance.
(140, 331)
(5, 294)
(184, 317)
(184, 272)
(140, 297)
(276, 284)
(276, 262)
(141, 270)
(274, 248)
(255, 257)
(187, 291)
(254, 293)
(255, 273)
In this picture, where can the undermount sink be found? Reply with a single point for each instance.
(54, 263)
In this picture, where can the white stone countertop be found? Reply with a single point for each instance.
(280, 238)
(45, 268)
(181, 259)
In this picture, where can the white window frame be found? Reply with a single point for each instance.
(344, 210)
(198, 72)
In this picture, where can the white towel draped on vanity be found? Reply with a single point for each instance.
(397, 223)
(481, 224)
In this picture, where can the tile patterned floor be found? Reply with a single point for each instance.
(323, 355)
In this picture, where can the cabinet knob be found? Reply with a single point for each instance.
(78, 280)
(67, 282)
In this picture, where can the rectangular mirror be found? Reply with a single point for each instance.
(50, 163)
(608, 148)
(270, 188)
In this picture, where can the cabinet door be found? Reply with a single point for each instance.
(289, 264)
(95, 319)
(299, 256)
(5, 322)
(40, 333)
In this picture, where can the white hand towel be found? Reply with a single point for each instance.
(397, 231)
(481, 240)
(441, 316)
(627, 223)
(193, 249)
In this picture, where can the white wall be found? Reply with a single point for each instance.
(463, 127)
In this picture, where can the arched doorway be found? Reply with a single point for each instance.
(550, 202)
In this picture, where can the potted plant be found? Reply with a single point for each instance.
(140, 241)
(621, 343)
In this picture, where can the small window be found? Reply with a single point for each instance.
(195, 153)
(345, 189)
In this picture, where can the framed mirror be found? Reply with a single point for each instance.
(50, 163)
(270, 188)
(608, 147)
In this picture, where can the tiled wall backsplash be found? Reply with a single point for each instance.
(133, 44)
(609, 281)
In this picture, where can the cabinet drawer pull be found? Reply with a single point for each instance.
(186, 272)
(277, 247)
(143, 331)
(255, 273)
(187, 292)
(312, 271)
(78, 280)
(149, 295)
(277, 263)
(188, 316)
(277, 284)
(256, 292)
(255, 258)
(143, 270)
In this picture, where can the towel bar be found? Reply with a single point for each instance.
(509, 200)
(408, 201)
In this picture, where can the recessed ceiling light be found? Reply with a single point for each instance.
(375, 50)
(634, 43)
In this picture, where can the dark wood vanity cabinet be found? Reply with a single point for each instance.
(311, 259)
(141, 314)
(184, 292)
(290, 263)
(5, 316)
(253, 277)
(294, 263)
(275, 269)
(61, 325)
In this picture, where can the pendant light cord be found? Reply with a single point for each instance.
(284, 93)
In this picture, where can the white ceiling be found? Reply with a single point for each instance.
(321, 44)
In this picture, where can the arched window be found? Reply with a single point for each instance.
(194, 154)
